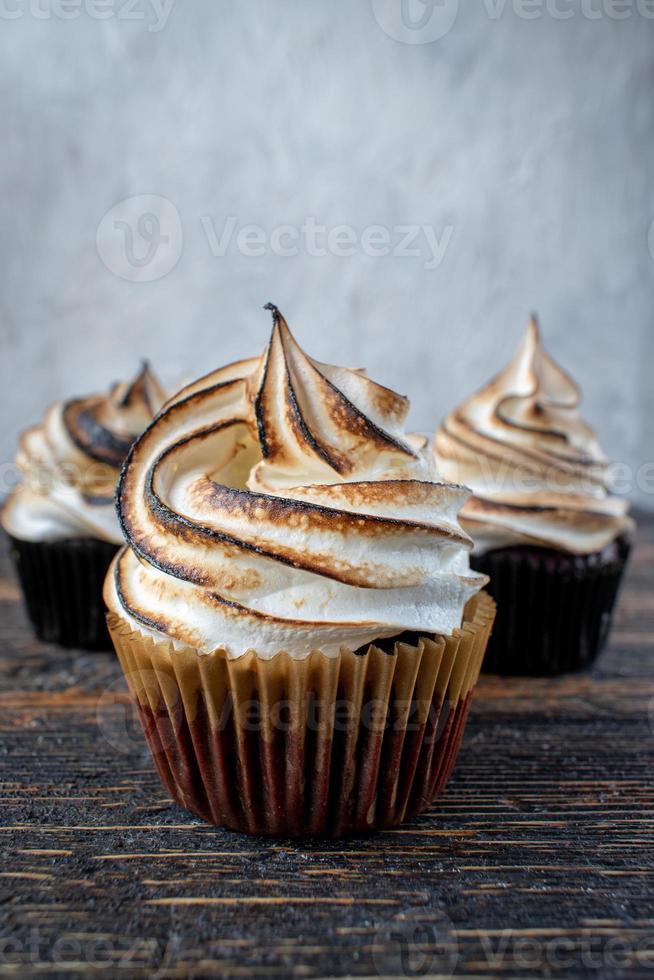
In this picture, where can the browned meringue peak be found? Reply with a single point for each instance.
(70, 462)
(103, 427)
(322, 421)
(276, 504)
(536, 470)
(531, 407)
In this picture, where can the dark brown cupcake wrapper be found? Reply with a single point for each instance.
(62, 586)
(324, 746)
(554, 610)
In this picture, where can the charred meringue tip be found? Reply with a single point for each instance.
(276, 315)
(280, 326)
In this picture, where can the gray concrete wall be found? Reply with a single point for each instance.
(516, 142)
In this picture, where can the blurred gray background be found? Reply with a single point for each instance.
(508, 147)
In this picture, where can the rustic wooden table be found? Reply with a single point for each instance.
(537, 861)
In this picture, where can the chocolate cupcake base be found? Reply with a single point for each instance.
(325, 746)
(62, 585)
(554, 610)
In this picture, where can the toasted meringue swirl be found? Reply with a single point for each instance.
(71, 462)
(276, 504)
(537, 472)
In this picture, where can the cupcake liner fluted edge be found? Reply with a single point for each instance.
(323, 746)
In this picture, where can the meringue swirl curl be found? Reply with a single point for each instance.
(536, 470)
(276, 505)
(71, 462)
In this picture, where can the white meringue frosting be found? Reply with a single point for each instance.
(277, 505)
(71, 462)
(536, 470)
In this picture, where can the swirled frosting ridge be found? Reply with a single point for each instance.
(536, 469)
(276, 504)
(70, 462)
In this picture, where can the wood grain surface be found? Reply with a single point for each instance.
(537, 861)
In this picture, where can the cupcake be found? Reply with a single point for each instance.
(546, 529)
(61, 517)
(294, 610)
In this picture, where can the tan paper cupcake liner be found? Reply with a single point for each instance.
(323, 746)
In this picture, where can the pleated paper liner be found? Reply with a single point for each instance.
(62, 585)
(554, 611)
(324, 746)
